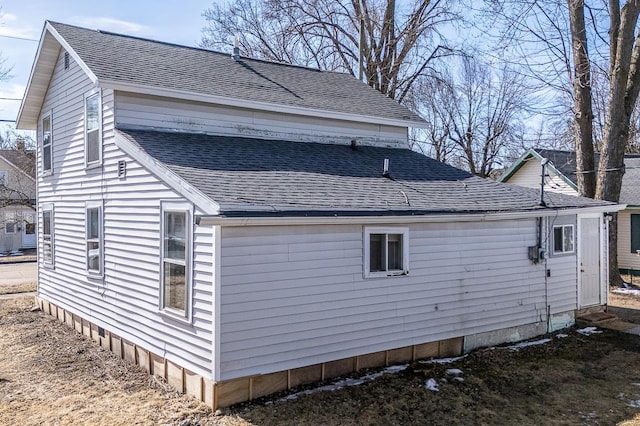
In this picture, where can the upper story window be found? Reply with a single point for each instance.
(4, 180)
(47, 234)
(177, 234)
(563, 239)
(47, 143)
(94, 240)
(386, 252)
(92, 130)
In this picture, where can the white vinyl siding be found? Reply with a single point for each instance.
(153, 112)
(528, 175)
(627, 258)
(125, 300)
(295, 296)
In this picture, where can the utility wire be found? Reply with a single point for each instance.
(19, 38)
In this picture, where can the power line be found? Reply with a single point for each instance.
(7, 121)
(10, 99)
(19, 38)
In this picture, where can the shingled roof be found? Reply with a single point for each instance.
(142, 62)
(244, 175)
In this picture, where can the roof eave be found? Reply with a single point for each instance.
(532, 153)
(46, 57)
(258, 105)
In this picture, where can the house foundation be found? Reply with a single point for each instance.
(226, 393)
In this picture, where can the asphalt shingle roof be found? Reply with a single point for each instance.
(145, 62)
(242, 174)
(565, 162)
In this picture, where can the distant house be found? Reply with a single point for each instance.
(561, 177)
(17, 200)
(242, 227)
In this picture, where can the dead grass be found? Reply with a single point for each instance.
(18, 288)
(50, 375)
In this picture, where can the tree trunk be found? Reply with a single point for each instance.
(614, 272)
(585, 170)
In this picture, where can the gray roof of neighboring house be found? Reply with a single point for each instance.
(138, 61)
(243, 174)
(25, 160)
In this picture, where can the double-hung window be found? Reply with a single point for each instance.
(4, 181)
(94, 240)
(47, 234)
(10, 223)
(92, 132)
(47, 143)
(175, 279)
(386, 251)
(563, 239)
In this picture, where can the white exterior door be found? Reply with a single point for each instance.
(28, 230)
(589, 261)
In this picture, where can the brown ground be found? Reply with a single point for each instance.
(50, 375)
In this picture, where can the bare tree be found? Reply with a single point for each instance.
(399, 44)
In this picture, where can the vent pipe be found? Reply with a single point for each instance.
(236, 49)
(385, 168)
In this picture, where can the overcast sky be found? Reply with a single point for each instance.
(181, 22)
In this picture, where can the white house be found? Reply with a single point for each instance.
(17, 200)
(560, 176)
(242, 227)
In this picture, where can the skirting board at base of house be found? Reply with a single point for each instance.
(226, 393)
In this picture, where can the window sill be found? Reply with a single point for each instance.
(175, 316)
(93, 165)
(386, 274)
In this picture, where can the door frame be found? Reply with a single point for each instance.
(603, 230)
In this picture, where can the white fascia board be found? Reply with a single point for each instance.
(205, 220)
(170, 178)
(48, 28)
(258, 105)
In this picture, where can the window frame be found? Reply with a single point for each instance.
(10, 217)
(47, 171)
(48, 208)
(97, 93)
(93, 205)
(4, 178)
(368, 231)
(573, 239)
(187, 209)
(634, 242)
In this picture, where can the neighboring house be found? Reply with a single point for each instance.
(17, 200)
(561, 177)
(242, 227)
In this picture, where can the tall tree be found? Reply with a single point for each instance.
(400, 44)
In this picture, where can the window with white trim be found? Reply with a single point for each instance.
(47, 144)
(386, 252)
(4, 180)
(563, 239)
(47, 234)
(10, 223)
(94, 242)
(92, 132)
(175, 279)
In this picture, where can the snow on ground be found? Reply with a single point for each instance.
(442, 360)
(347, 382)
(588, 331)
(432, 385)
(521, 345)
(454, 372)
(561, 335)
(628, 291)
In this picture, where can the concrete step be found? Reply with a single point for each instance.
(595, 319)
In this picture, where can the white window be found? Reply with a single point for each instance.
(175, 279)
(47, 234)
(92, 132)
(563, 239)
(94, 237)
(386, 252)
(3, 179)
(47, 141)
(10, 223)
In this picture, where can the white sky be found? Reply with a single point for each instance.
(177, 22)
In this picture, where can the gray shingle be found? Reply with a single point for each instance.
(25, 160)
(241, 174)
(145, 62)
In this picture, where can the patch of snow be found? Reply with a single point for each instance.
(454, 372)
(443, 360)
(432, 385)
(521, 345)
(634, 404)
(337, 385)
(635, 384)
(561, 335)
(588, 331)
(628, 291)
(459, 379)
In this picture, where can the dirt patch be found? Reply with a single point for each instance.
(49, 374)
(18, 288)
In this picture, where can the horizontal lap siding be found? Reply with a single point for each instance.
(529, 176)
(147, 111)
(293, 296)
(626, 259)
(126, 301)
